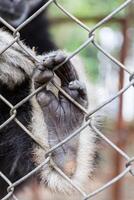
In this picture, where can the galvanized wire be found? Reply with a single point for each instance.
(91, 36)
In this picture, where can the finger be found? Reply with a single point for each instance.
(42, 77)
(47, 99)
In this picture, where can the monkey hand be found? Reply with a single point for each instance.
(62, 117)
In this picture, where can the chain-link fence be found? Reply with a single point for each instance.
(91, 33)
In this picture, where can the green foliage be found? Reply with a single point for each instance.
(70, 36)
(89, 57)
(87, 7)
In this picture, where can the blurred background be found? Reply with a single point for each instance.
(105, 78)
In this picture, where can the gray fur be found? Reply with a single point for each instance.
(15, 65)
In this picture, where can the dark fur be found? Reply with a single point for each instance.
(59, 114)
(14, 150)
(36, 33)
(16, 147)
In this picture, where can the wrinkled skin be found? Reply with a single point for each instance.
(61, 116)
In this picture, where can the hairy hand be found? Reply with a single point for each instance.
(61, 115)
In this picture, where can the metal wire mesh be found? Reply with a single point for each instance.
(90, 40)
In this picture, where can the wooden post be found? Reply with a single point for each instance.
(120, 125)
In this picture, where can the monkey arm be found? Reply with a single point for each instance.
(15, 63)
